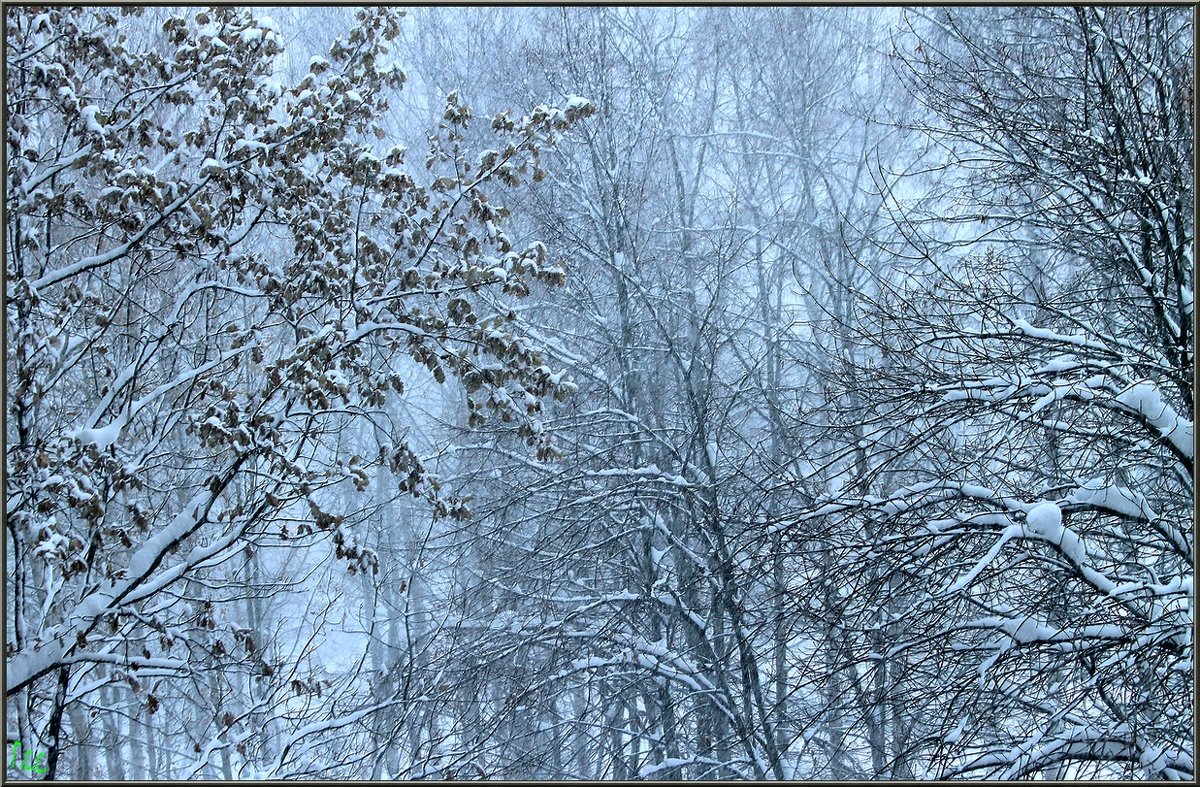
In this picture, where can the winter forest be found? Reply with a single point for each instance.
(599, 393)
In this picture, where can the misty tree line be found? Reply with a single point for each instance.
(600, 393)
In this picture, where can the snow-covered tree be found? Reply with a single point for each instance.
(1031, 404)
(211, 275)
